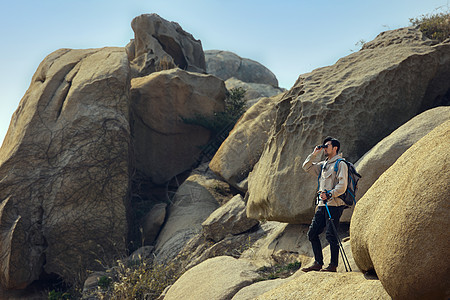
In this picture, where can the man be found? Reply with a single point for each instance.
(331, 185)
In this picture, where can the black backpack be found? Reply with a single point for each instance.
(349, 196)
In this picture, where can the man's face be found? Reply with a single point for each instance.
(328, 151)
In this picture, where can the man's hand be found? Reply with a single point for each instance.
(317, 150)
(324, 196)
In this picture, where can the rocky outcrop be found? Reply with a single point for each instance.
(153, 222)
(283, 243)
(225, 65)
(160, 45)
(241, 150)
(191, 206)
(253, 90)
(228, 219)
(397, 227)
(360, 100)
(258, 288)
(323, 285)
(64, 168)
(165, 145)
(217, 278)
(386, 152)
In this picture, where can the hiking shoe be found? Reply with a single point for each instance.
(314, 267)
(330, 268)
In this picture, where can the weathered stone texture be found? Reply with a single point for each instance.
(165, 144)
(225, 64)
(159, 45)
(385, 153)
(228, 219)
(64, 168)
(217, 278)
(399, 227)
(243, 147)
(359, 100)
(322, 285)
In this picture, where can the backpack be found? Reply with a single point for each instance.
(349, 196)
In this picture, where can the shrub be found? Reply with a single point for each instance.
(104, 282)
(234, 108)
(278, 271)
(142, 280)
(58, 295)
(165, 63)
(435, 26)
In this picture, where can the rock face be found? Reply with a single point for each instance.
(242, 149)
(252, 291)
(64, 168)
(225, 65)
(164, 144)
(359, 100)
(282, 243)
(253, 90)
(159, 44)
(228, 219)
(153, 222)
(322, 285)
(386, 152)
(217, 278)
(397, 227)
(192, 204)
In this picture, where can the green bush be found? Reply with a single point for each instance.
(220, 121)
(104, 282)
(435, 26)
(57, 295)
(278, 271)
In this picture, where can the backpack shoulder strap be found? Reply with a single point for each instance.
(336, 165)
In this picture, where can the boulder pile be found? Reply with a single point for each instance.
(100, 159)
(360, 100)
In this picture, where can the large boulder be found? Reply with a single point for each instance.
(64, 168)
(241, 150)
(283, 243)
(153, 222)
(166, 145)
(258, 288)
(399, 227)
(323, 285)
(253, 90)
(359, 100)
(228, 219)
(159, 44)
(216, 278)
(190, 207)
(386, 152)
(225, 64)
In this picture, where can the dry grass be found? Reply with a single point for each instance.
(142, 280)
(434, 26)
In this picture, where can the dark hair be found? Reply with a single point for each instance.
(334, 142)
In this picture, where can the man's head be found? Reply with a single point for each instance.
(332, 147)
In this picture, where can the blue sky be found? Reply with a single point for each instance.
(290, 37)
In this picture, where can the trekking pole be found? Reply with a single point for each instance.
(341, 247)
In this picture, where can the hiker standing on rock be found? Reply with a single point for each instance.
(331, 184)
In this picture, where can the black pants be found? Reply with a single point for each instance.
(318, 224)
